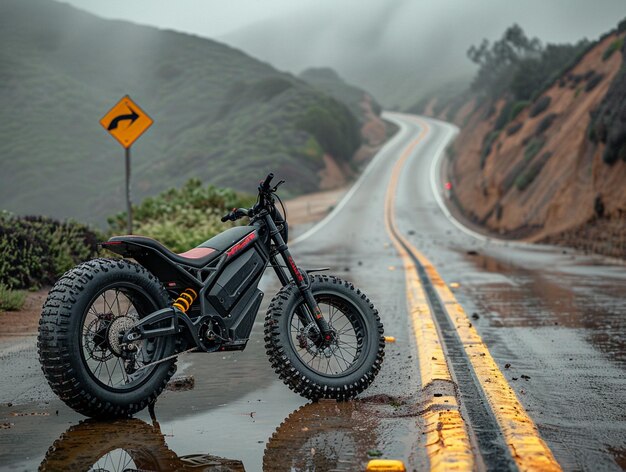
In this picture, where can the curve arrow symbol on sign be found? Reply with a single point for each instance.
(115, 121)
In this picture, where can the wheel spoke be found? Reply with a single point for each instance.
(111, 310)
(117, 302)
(337, 357)
(343, 353)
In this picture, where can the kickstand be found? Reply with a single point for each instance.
(152, 414)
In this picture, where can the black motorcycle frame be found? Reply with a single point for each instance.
(218, 319)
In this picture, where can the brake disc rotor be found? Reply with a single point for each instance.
(306, 341)
(118, 326)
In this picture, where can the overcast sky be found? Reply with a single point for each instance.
(373, 43)
(210, 18)
(215, 18)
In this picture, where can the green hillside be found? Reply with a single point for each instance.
(220, 115)
(328, 81)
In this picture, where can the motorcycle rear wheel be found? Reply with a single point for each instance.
(78, 342)
(341, 370)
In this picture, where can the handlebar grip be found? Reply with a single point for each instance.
(268, 179)
(235, 214)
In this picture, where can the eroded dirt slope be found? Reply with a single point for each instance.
(544, 177)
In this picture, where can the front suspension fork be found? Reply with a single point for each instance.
(312, 314)
(314, 309)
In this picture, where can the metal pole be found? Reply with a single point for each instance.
(129, 208)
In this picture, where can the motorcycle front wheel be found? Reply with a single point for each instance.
(314, 369)
(79, 339)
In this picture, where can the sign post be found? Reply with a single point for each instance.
(129, 206)
(126, 122)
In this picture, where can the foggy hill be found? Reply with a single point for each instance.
(329, 82)
(400, 50)
(220, 115)
(547, 164)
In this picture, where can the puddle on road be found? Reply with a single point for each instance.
(531, 298)
(241, 436)
(129, 444)
(237, 416)
(235, 412)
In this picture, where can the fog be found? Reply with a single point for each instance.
(396, 49)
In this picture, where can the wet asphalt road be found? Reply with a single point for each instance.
(554, 316)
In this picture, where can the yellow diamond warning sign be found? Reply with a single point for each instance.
(126, 121)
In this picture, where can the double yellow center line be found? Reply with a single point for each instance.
(448, 442)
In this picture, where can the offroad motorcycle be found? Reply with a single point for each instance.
(111, 329)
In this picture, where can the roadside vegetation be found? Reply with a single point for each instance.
(607, 124)
(515, 68)
(35, 250)
(11, 300)
(182, 218)
(520, 68)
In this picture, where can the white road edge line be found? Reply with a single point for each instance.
(435, 166)
(346, 198)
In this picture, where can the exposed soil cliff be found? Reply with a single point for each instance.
(557, 171)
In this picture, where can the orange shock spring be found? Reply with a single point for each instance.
(185, 299)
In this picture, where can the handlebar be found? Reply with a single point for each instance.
(235, 214)
(266, 185)
(265, 191)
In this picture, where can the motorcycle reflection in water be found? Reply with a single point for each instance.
(318, 436)
(322, 436)
(124, 445)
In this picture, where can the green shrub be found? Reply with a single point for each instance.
(337, 131)
(183, 218)
(607, 123)
(533, 148)
(614, 46)
(517, 108)
(576, 79)
(519, 66)
(514, 128)
(511, 176)
(11, 300)
(487, 145)
(578, 90)
(504, 117)
(35, 251)
(593, 82)
(540, 106)
(545, 123)
(526, 177)
(266, 89)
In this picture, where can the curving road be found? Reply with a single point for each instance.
(551, 320)
(507, 356)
